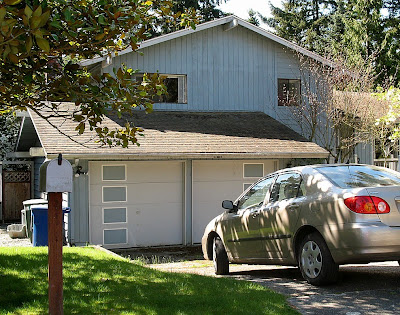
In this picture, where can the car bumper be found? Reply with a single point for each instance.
(363, 242)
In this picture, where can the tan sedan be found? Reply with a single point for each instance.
(317, 217)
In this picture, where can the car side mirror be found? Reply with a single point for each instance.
(228, 204)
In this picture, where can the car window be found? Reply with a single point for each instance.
(255, 195)
(286, 187)
(353, 176)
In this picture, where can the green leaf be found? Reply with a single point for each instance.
(102, 20)
(68, 15)
(12, 2)
(38, 11)
(120, 74)
(29, 44)
(43, 44)
(35, 21)
(80, 128)
(56, 24)
(3, 12)
(28, 12)
(44, 18)
(28, 78)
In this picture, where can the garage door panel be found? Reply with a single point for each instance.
(221, 191)
(230, 170)
(149, 192)
(155, 172)
(154, 205)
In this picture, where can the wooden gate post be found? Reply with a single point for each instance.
(55, 178)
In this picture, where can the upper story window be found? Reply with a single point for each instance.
(289, 92)
(176, 88)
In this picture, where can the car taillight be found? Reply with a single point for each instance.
(367, 204)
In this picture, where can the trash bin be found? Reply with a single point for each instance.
(40, 224)
(28, 213)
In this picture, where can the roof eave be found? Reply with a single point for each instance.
(181, 156)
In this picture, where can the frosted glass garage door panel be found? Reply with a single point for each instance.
(112, 237)
(253, 170)
(155, 224)
(114, 172)
(114, 194)
(114, 215)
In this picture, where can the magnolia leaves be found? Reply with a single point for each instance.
(42, 42)
(120, 93)
(20, 29)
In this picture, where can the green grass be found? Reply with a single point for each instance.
(98, 283)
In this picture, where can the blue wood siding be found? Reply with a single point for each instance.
(37, 162)
(79, 203)
(235, 70)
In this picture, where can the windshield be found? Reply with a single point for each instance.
(353, 176)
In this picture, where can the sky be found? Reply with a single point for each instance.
(241, 7)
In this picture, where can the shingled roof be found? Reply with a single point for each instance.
(184, 135)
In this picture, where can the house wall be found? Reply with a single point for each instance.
(79, 203)
(365, 153)
(37, 163)
(235, 70)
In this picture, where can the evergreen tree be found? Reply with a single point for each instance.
(206, 9)
(362, 29)
(253, 18)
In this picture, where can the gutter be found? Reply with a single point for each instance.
(180, 156)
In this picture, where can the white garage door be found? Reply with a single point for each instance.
(136, 203)
(215, 181)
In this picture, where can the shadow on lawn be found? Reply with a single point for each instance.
(95, 282)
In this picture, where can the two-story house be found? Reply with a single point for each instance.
(221, 127)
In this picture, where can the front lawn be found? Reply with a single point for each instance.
(96, 282)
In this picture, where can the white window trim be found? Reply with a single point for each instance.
(102, 194)
(253, 164)
(182, 86)
(122, 222)
(126, 236)
(113, 180)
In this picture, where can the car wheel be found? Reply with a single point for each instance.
(220, 258)
(315, 261)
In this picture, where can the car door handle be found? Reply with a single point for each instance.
(293, 207)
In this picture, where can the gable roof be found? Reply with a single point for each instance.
(229, 22)
(177, 135)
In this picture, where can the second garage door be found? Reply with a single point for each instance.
(214, 181)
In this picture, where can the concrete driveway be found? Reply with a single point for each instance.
(362, 289)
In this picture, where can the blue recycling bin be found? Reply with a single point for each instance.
(40, 225)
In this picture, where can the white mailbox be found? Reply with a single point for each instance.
(56, 176)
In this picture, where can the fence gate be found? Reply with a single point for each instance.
(16, 188)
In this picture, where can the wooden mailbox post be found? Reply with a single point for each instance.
(55, 178)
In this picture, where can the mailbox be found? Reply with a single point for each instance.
(56, 176)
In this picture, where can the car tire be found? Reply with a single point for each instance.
(315, 261)
(220, 258)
